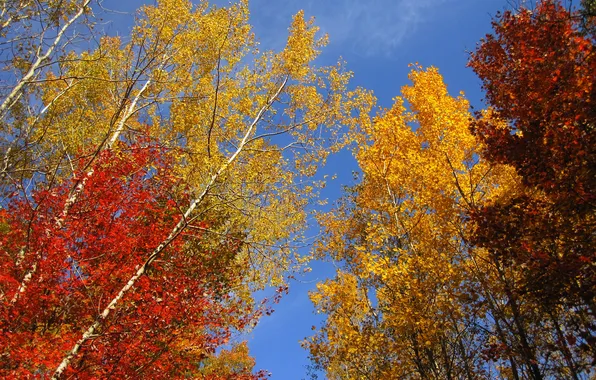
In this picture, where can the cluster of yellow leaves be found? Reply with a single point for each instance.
(233, 363)
(402, 239)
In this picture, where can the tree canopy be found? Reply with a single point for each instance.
(152, 184)
(467, 249)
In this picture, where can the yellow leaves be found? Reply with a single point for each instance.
(169, 15)
(442, 119)
(235, 362)
(348, 337)
(400, 232)
(428, 151)
(302, 47)
(305, 98)
(191, 78)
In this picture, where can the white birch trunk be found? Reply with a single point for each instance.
(72, 198)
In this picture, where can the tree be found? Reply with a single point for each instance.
(404, 301)
(539, 74)
(244, 132)
(418, 292)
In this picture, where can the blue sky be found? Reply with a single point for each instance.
(377, 39)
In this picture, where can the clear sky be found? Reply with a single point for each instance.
(377, 39)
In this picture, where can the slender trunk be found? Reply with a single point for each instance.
(563, 347)
(496, 314)
(462, 348)
(418, 359)
(446, 359)
(528, 353)
(512, 363)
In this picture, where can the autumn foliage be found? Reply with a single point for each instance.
(150, 185)
(409, 298)
(178, 314)
(539, 73)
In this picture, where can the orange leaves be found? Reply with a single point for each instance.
(399, 236)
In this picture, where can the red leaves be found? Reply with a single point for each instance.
(126, 209)
(539, 73)
(551, 250)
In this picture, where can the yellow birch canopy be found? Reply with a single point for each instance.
(249, 127)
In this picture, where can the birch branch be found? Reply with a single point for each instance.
(7, 103)
(130, 110)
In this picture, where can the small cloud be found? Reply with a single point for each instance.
(373, 27)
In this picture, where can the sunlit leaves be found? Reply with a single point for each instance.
(396, 307)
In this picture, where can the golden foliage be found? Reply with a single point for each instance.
(394, 310)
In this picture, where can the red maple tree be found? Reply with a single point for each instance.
(176, 316)
(539, 73)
